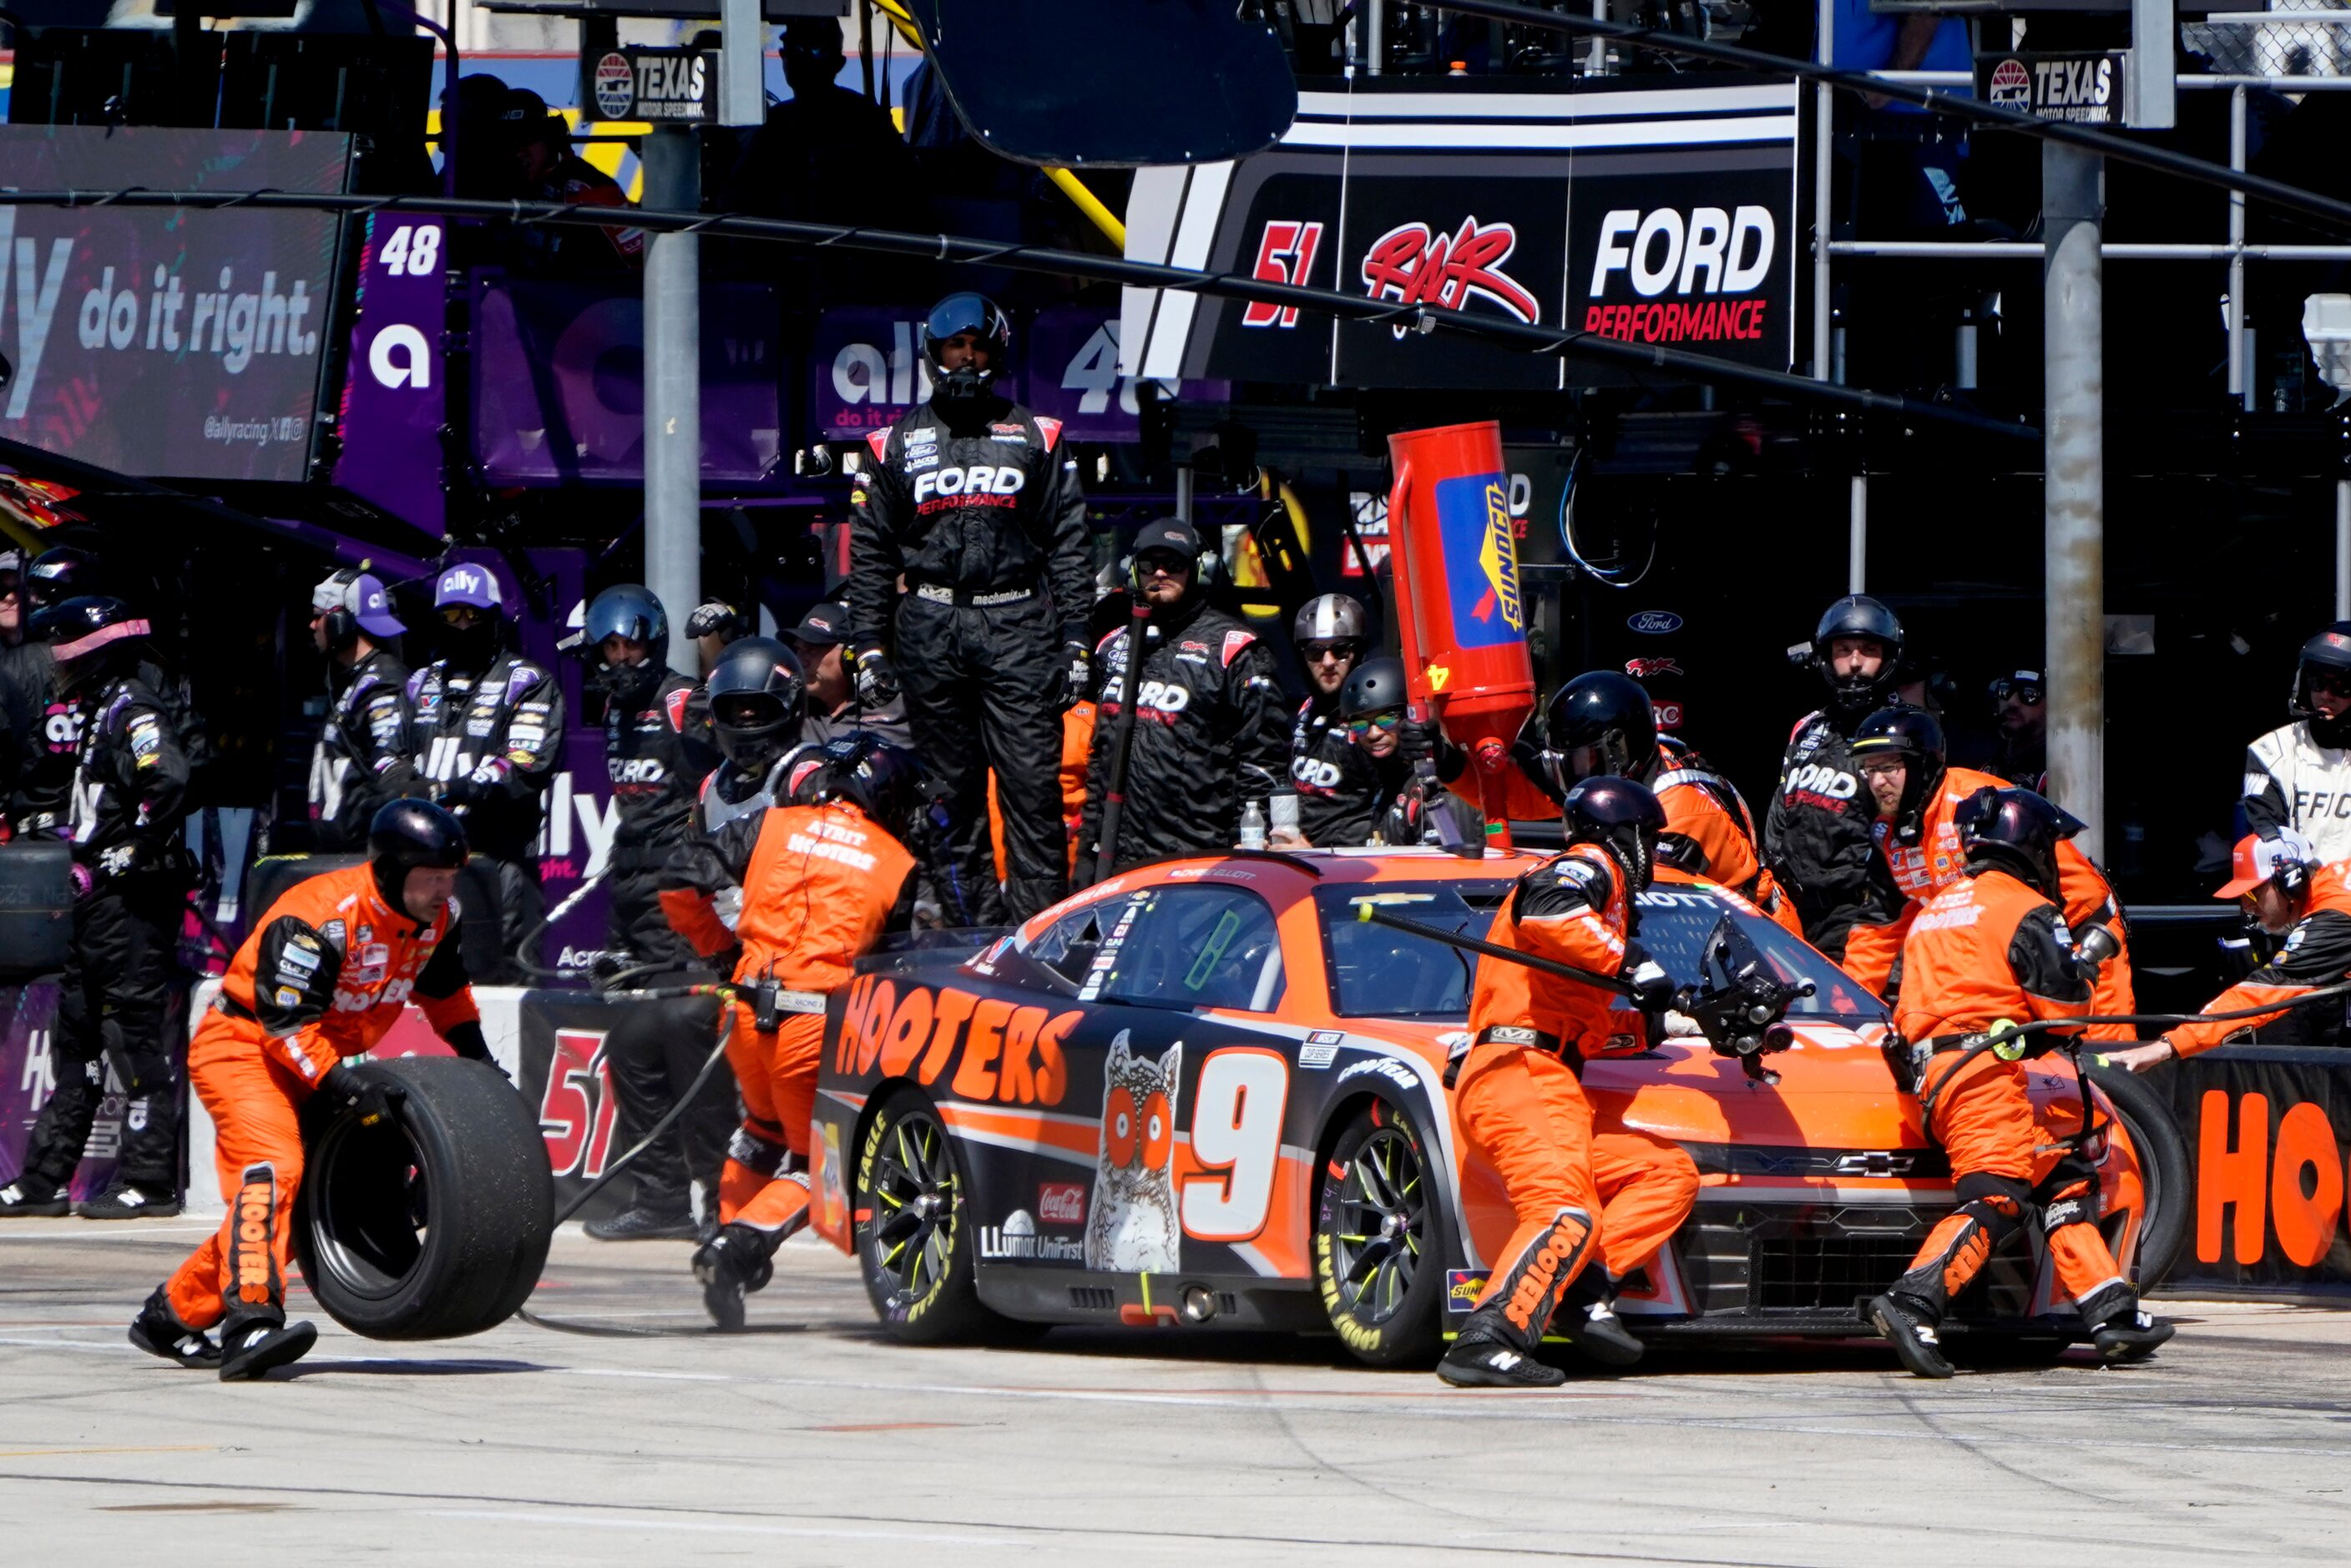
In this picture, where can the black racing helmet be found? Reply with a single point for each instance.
(409, 833)
(1622, 817)
(628, 610)
(1376, 685)
(967, 312)
(1858, 615)
(1331, 617)
(1916, 737)
(90, 635)
(2015, 830)
(59, 574)
(880, 779)
(2326, 656)
(1601, 723)
(757, 698)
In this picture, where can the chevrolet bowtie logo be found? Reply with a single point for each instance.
(1875, 1163)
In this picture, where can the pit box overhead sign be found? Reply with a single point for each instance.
(665, 86)
(2077, 88)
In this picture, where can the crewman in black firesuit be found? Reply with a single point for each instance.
(366, 753)
(126, 802)
(656, 764)
(1816, 834)
(976, 501)
(1208, 716)
(1331, 776)
(1391, 800)
(489, 738)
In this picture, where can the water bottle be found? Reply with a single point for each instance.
(1252, 826)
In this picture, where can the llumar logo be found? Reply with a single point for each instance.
(257, 1263)
(1498, 557)
(1414, 265)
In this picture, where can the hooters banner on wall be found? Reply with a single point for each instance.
(2268, 1138)
(1661, 216)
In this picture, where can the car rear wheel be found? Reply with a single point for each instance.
(913, 1237)
(2163, 1169)
(1379, 1254)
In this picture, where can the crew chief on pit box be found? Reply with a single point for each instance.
(325, 973)
(1899, 754)
(822, 879)
(1207, 719)
(974, 500)
(1991, 947)
(1591, 1207)
(1816, 834)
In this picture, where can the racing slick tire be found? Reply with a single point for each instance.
(914, 1246)
(2164, 1164)
(1379, 1247)
(434, 1224)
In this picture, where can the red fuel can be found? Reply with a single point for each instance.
(1456, 559)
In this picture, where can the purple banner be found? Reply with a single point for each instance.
(162, 342)
(394, 399)
(559, 383)
(866, 370)
(1073, 376)
(28, 1022)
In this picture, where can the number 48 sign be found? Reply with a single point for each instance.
(1073, 375)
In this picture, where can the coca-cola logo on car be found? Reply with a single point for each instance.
(1415, 264)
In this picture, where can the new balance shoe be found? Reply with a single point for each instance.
(158, 1331)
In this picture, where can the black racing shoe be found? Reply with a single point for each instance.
(641, 1224)
(158, 1331)
(30, 1198)
(729, 1268)
(131, 1201)
(2132, 1336)
(1489, 1364)
(252, 1349)
(1587, 1316)
(1914, 1334)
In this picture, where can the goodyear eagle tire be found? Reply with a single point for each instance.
(435, 1225)
(2164, 1165)
(914, 1243)
(1379, 1239)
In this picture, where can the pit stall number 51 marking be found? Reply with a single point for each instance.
(1236, 1112)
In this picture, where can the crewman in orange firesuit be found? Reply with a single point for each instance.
(1591, 1205)
(1991, 948)
(2287, 893)
(1604, 722)
(321, 980)
(822, 878)
(1899, 752)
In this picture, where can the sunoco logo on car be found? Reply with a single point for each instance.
(1655, 622)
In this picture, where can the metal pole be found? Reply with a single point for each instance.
(2343, 549)
(672, 162)
(1375, 38)
(1824, 183)
(1856, 550)
(1183, 492)
(2072, 203)
(742, 63)
(2237, 388)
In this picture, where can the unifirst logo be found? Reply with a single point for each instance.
(1498, 557)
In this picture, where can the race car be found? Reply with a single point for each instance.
(1210, 1093)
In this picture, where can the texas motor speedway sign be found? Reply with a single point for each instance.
(1651, 215)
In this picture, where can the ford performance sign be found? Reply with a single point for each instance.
(1651, 215)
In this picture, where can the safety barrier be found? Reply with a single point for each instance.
(2268, 1129)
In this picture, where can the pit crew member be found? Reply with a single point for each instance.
(1992, 947)
(1899, 754)
(822, 879)
(489, 738)
(324, 974)
(975, 501)
(124, 810)
(1331, 774)
(1591, 1207)
(2286, 892)
(1395, 800)
(366, 753)
(2298, 776)
(1816, 834)
(833, 708)
(1208, 725)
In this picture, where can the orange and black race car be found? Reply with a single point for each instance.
(1207, 1092)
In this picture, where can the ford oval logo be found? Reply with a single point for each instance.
(1655, 622)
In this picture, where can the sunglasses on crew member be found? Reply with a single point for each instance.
(2333, 683)
(1315, 652)
(2022, 691)
(461, 614)
(1364, 724)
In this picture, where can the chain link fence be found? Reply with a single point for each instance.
(2306, 39)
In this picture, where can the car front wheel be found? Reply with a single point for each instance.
(1379, 1257)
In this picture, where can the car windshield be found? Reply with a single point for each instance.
(1377, 971)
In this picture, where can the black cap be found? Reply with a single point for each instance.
(824, 623)
(1169, 534)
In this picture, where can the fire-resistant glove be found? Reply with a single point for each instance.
(1653, 988)
(876, 681)
(370, 1098)
(1081, 676)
